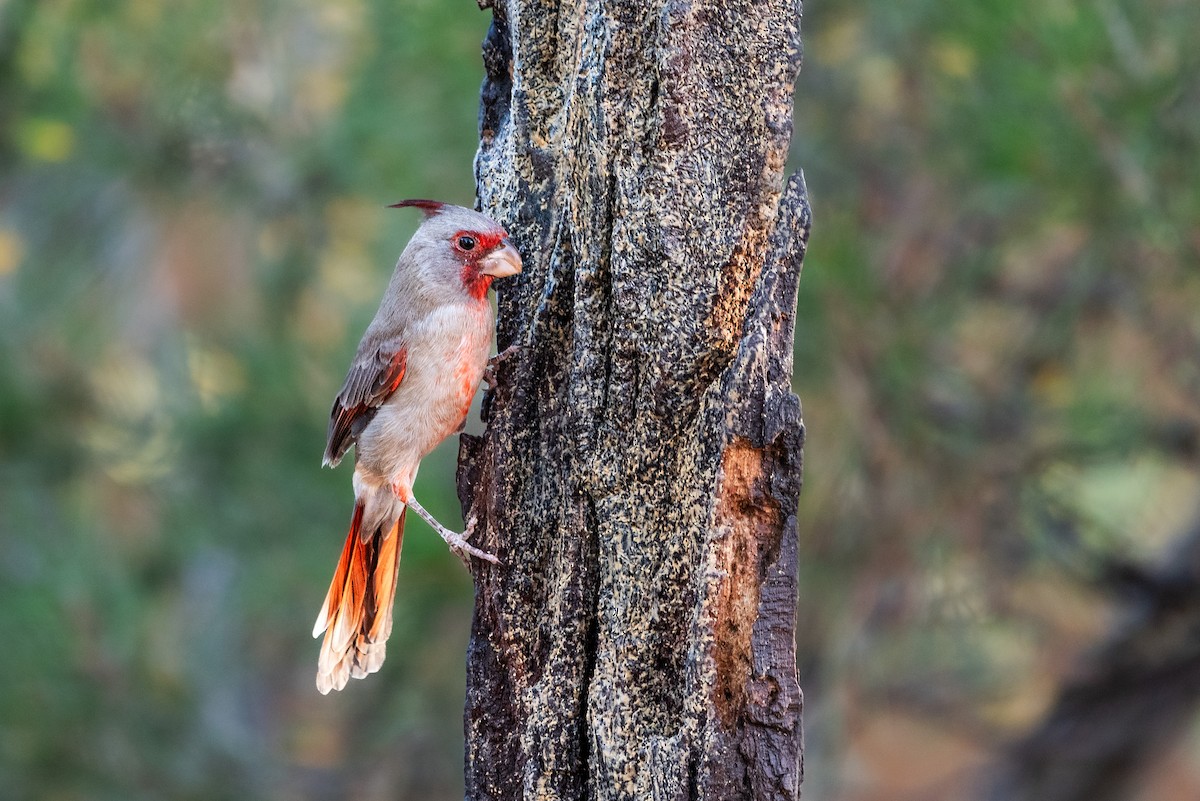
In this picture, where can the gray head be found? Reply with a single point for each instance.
(456, 253)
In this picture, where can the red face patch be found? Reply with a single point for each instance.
(472, 246)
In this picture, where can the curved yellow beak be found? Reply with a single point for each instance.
(500, 263)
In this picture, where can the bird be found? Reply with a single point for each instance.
(409, 387)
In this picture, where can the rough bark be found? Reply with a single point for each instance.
(1131, 697)
(640, 472)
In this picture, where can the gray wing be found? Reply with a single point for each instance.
(372, 379)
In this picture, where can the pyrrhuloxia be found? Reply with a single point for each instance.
(410, 386)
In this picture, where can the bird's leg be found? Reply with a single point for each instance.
(457, 542)
(489, 372)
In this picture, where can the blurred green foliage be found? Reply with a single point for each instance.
(192, 238)
(998, 349)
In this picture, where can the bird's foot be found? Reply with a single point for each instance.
(489, 372)
(457, 542)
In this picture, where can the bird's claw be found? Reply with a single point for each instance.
(489, 372)
(458, 543)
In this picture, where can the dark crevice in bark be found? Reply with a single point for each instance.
(497, 82)
(589, 650)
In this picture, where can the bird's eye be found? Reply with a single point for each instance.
(466, 242)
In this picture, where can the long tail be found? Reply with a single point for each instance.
(357, 614)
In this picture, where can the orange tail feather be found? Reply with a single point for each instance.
(357, 614)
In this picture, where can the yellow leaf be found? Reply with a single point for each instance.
(840, 42)
(46, 140)
(954, 59)
(12, 250)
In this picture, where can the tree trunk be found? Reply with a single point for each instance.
(641, 468)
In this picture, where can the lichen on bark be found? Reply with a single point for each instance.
(641, 466)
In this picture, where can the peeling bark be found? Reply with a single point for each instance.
(641, 467)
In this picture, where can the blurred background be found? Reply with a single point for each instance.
(998, 352)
